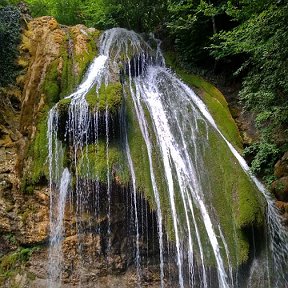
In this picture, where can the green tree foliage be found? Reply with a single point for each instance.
(4, 3)
(103, 14)
(261, 36)
(191, 24)
(9, 39)
(67, 12)
(99, 14)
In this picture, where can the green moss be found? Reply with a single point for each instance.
(11, 263)
(68, 82)
(236, 201)
(75, 66)
(39, 152)
(36, 167)
(110, 96)
(93, 163)
(214, 100)
(51, 84)
(233, 196)
(243, 248)
(140, 159)
(84, 59)
(139, 154)
(26, 186)
(63, 106)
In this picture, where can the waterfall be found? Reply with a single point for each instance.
(175, 129)
(57, 231)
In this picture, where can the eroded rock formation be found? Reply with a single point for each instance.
(53, 60)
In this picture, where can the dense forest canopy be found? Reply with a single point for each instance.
(247, 38)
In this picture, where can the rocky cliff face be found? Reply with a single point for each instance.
(53, 60)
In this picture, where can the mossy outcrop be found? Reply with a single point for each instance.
(214, 100)
(107, 97)
(104, 112)
(55, 59)
(238, 206)
(96, 162)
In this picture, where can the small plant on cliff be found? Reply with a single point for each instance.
(12, 262)
(9, 39)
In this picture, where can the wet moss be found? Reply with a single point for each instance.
(109, 96)
(75, 63)
(235, 198)
(68, 82)
(140, 159)
(36, 166)
(84, 59)
(39, 152)
(214, 100)
(51, 84)
(93, 164)
(238, 206)
(63, 106)
(139, 153)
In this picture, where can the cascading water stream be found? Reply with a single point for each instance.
(131, 167)
(171, 155)
(278, 234)
(169, 115)
(57, 231)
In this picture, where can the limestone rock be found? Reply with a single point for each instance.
(280, 188)
(24, 213)
(42, 40)
(281, 167)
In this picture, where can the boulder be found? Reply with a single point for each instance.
(280, 188)
(281, 167)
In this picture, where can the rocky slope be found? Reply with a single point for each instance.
(53, 60)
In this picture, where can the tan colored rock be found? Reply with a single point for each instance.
(43, 40)
(280, 189)
(281, 167)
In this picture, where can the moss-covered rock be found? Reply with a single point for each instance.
(12, 263)
(236, 201)
(55, 59)
(139, 153)
(214, 100)
(234, 197)
(36, 169)
(237, 205)
(109, 97)
(96, 162)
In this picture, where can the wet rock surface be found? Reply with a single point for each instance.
(24, 206)
(279, 187)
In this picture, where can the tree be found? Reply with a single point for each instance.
(261, 36)
(192, 24)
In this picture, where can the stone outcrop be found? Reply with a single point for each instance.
(280, 186)
(48, 53)
(54, 59)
